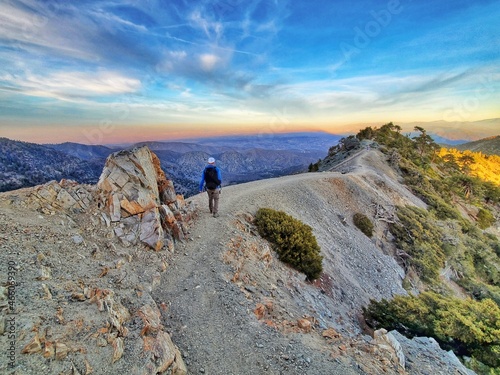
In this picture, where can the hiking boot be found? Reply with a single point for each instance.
(216, 214)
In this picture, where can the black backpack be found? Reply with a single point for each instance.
(211, 179)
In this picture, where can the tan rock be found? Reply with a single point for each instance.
(88, 368)
(163, 355)
(59, 315)
(49, 349)
(131, 208)
(45, 273)
(66, 199)
(61, 350)
(304, 325)
(118, 347)
(46, 291)
(151, 319)
(331, 334)
(33, 346)
(179, 367)
(260, 311)
(63, 195)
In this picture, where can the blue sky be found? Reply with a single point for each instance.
(102, 71)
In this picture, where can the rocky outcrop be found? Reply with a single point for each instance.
(136, 196)
(64, 195)
(420, 355)
(159, 351)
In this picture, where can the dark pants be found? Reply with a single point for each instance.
(213, 200)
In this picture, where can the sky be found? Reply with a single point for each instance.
(109, 71)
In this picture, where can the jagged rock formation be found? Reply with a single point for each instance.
(134, 191)
(134, 195)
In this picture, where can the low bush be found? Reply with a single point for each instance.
(363, 223)
(417, 234)
(485, 218)
(293, 241)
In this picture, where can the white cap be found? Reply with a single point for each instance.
(211, 161)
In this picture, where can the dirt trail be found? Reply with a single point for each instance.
(209, 317)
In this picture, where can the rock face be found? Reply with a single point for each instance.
(134, 192)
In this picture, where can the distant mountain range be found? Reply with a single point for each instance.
(241, 159)
(488, 146)
(25, 164)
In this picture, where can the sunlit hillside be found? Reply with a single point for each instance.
(485, 167)
(489, 146)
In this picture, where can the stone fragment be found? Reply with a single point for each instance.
(151, 319)
(151, 229)
(304, 325)
(77, 239)
(260, 311)
(78, 297)
(163, 356)
(33, 346)
(331, 334)
(118, 347)
(45, 273)
(61, 350)
(65, 195)
(49, 350)
(46, 291)
(88, 368)
(59, 315)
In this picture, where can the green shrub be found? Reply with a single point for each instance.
(480, 290)
(363, 223)
(417, 235)
(485, 218)
(293, 241)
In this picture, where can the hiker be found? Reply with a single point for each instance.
(212, 180)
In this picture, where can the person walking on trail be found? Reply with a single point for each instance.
(212, 179)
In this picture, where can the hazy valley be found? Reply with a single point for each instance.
(241, 159)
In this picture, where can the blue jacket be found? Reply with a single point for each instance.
(202, 181)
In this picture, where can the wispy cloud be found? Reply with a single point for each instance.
(72, 85)
(247, 60)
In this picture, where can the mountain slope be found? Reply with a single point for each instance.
(488, 146)
(229, 304)
(25, 164)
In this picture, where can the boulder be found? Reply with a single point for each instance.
(136, 195)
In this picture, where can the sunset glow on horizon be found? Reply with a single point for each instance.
(102, 72)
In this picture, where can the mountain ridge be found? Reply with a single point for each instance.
(228, 303)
